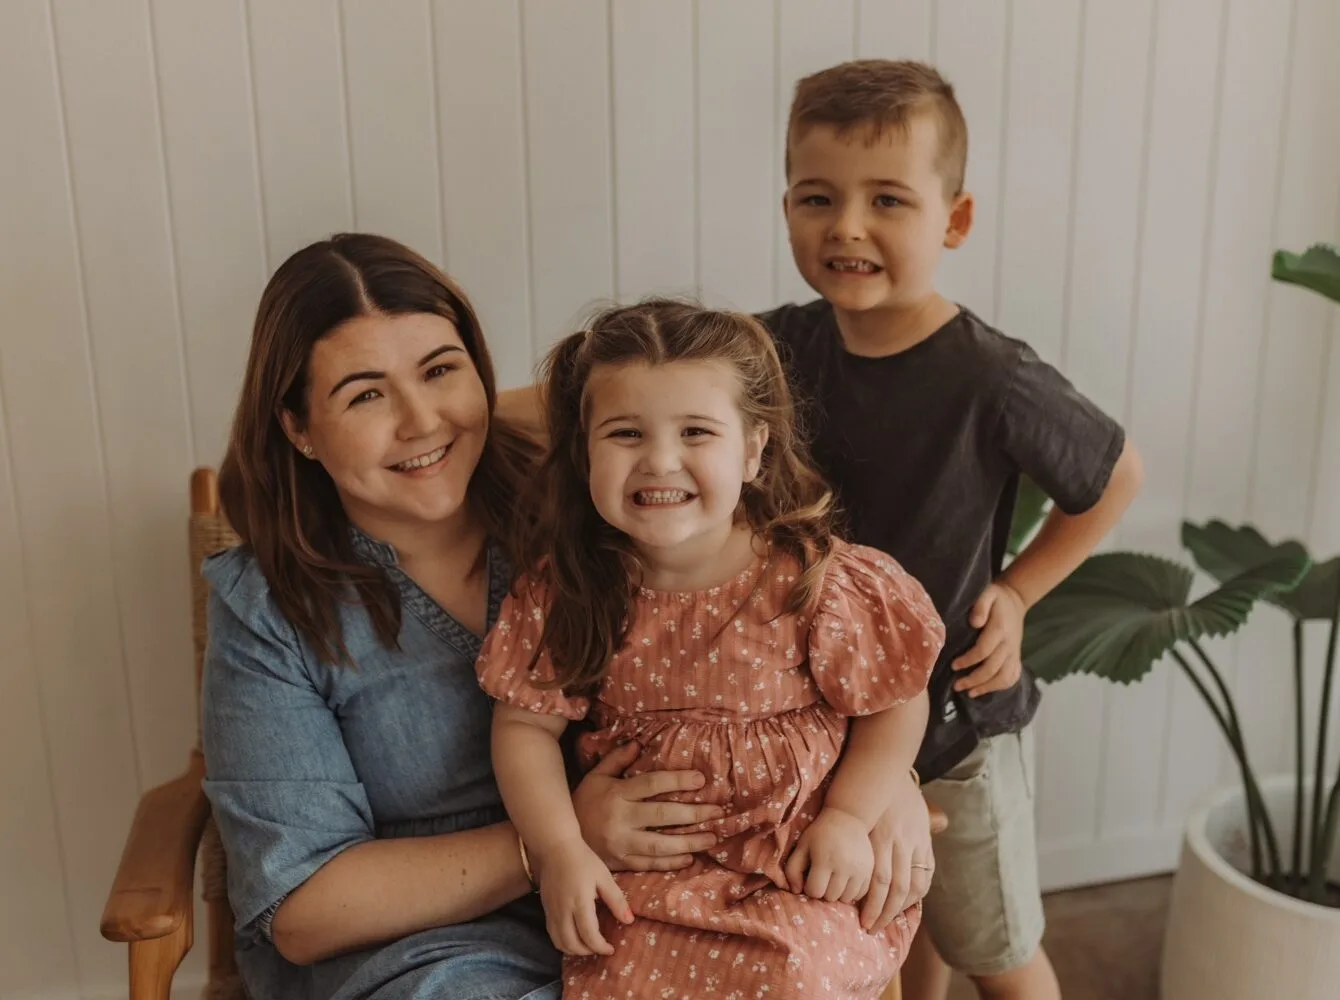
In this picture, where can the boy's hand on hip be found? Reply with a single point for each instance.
(997, 655)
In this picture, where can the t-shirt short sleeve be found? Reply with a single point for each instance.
(504, 664)
(1057, 436)
(875, 634)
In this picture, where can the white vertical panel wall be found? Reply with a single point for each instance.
(1134, 166)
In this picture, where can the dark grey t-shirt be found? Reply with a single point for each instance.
(924, 449)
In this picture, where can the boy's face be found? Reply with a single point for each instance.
(869, 219)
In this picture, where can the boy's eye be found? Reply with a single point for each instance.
(815, 200)
(887, 201)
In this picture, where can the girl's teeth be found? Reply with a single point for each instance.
(661, 496)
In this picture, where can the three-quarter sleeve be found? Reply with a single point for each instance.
(284, 792)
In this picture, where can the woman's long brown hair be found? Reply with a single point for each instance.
(588, 568)
(285, 507)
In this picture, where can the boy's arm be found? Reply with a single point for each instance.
(1067, 540)
(521, 408)
(1064, 542)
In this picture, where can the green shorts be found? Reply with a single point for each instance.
(984, 909)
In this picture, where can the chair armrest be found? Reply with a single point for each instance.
(153, 890)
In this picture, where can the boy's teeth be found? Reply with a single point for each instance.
(863, 266)
(661, 496)
(423, 461)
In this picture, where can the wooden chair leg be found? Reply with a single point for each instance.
(894, 991)
(154, 962)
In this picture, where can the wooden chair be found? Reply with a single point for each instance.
(150, 907)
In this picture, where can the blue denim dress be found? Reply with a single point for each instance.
(306, 759)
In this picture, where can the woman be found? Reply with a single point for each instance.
(345, 736)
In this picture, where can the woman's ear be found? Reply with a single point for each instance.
(294, 431)
(755, 441)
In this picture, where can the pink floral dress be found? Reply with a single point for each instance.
(725, 682)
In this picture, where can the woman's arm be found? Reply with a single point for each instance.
(382, 890)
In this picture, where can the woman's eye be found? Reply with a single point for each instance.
(437, 371)
(364, 396)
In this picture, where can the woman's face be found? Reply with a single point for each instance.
(397, 415)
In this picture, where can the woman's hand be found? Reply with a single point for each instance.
(904, 858)
(833, 859)
(620, 824)
(571, 879)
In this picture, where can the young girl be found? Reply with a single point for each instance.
(688, 594)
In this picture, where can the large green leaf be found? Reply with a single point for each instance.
(1318, 268)
(1120, 612)
(1223, 551)
(1030, 508)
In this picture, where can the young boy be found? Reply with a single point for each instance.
(923, 418)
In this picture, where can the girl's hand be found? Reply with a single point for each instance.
(571, 879)
(904, 858)
(620, 824)
(833, 859)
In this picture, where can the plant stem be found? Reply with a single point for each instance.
(1249, 782)
(1296, 868)
(1317, 882)
(1235, 745)
(1325, 845)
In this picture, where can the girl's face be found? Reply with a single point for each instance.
(669, 453)
(397, 415)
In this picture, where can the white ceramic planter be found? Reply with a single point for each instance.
(1230, 938)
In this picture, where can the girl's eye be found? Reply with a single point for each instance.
(696, 432)
(625, 432)
(887, 201)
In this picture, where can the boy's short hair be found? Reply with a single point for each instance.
(881, 94)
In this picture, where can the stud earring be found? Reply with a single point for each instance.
(307, 451)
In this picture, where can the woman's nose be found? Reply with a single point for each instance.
(418, 417)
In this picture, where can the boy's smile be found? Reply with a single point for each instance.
(869, 216)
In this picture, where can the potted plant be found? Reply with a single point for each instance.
(1255, 907)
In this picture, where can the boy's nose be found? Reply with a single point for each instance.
(848, 226)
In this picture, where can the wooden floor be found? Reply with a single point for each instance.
(1104, 941)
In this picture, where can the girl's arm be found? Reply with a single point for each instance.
(528, 763)
(877, 762)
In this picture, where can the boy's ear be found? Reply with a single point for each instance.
(960, 221)
(786, 208)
